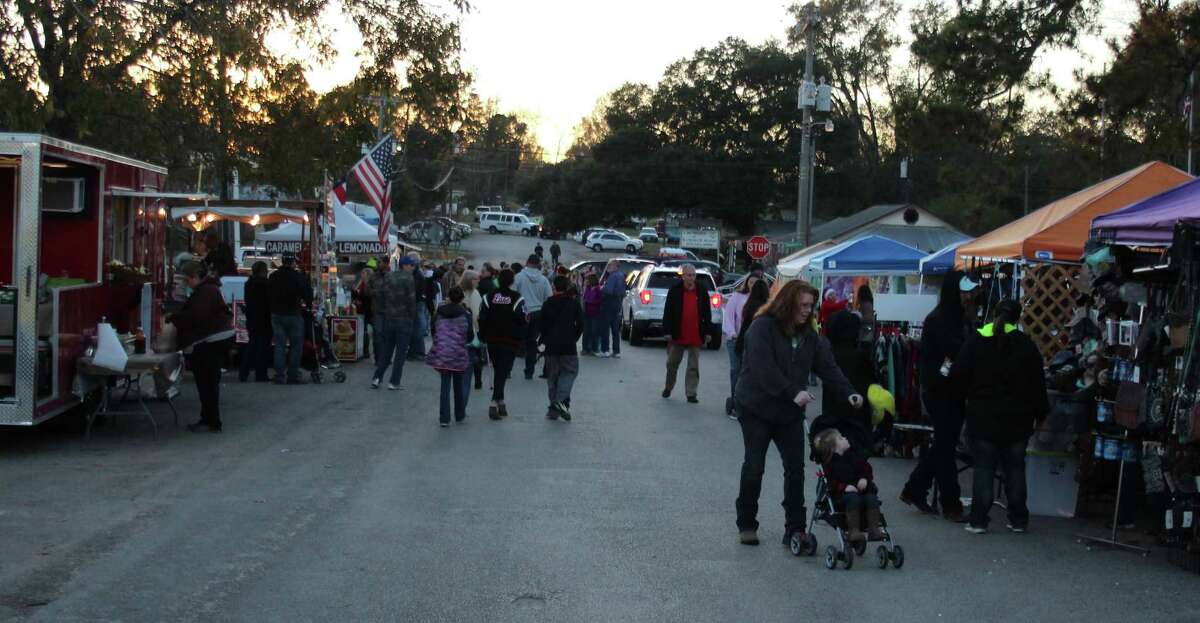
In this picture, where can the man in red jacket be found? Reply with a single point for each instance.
(687, 324)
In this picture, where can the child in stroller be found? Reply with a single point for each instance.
(317, 352)
(847, 498)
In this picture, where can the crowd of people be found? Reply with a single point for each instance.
(778, 340)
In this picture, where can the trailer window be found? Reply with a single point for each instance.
(122, 231)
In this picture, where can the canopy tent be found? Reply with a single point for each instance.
(241, 214)
(1058, 231)
(352, 235)
(1151, 222)
(940, 262)
(869, 255)
(790, 266)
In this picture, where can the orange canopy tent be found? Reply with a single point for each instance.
(1058, 231)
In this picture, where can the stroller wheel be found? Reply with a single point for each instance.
(897, 556)
(796, 545)
(339, 376)
(810, 543)
(316, 376)
(831, 556)
(848, 561)
(882, 555)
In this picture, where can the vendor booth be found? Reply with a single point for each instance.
(1150, 222)
(81, 243)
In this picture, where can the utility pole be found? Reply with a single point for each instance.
(1191, 114)
(382, 102)
(1026, 189)
(806, 103)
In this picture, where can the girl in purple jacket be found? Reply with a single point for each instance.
(593, 301)
(452, 333)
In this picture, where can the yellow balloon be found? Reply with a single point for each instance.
(882, 402)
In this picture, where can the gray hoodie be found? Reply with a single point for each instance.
(533, 286)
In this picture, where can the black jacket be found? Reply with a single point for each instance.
(942, 336)
(220, 260)
(561, 324)
(502, 318)
(258, 305)
(204, 314)
(289, 291)
(853, 362)
(1005, 387)
(775, 368)
(673, 311)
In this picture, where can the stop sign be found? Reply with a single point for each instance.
(758, 247)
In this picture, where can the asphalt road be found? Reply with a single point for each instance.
(338, 503)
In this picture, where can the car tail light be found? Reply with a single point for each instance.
(646, 297)
(716, 300)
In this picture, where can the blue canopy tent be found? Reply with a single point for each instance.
(869, 255)
(939, 262)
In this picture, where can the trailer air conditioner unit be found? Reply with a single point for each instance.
(62, 194)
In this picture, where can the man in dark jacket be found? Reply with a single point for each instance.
(555, 253)
(290, 294)
(561, 326)
(205, 327)
(219, 261)
(395, 313)
(256, 354)
(687, 325)
(942, 337)
(1000, 372)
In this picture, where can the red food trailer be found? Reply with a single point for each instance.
(82, 237)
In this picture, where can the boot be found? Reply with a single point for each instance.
(874, 531)
(853, 524)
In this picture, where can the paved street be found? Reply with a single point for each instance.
(338, 503)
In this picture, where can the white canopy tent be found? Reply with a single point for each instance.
(352, 235)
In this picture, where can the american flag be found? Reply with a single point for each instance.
(374, 174)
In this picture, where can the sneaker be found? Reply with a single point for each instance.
(393, 386)
(666, 393)
(444, 424)
(748, 537)
(973, 529)
(503, 410)
(604, 355)
(494, 412)
(920, 503)
(1016, 528)
(375, 383)
(563, 410)
(616, 355)
(551, 413)
(693, 399)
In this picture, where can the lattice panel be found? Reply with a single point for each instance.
(1047, 303)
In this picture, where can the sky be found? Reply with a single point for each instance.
(551, 60)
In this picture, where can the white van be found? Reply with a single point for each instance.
(507, 222)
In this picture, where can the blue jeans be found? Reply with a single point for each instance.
(735, 364)
(591, 332)
(420, 329)
(393, 338)
(453, 381)
(289, 332)
(1011, 458)
(610, 327)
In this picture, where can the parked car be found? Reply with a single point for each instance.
(614, 241)
(675, 253)
(628, 265)
(647, 295)
(507, 222)
(648, 234)
(712, 267)
(736, 281)
(582, 237)
(549, 233)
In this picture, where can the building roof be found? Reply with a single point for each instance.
(846, 224)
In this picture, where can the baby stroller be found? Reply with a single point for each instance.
(825, 511)
(316, 354)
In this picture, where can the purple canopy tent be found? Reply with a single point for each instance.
(1151, 221)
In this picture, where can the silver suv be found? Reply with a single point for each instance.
(646, 297)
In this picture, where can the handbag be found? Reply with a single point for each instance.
(1131, 400)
